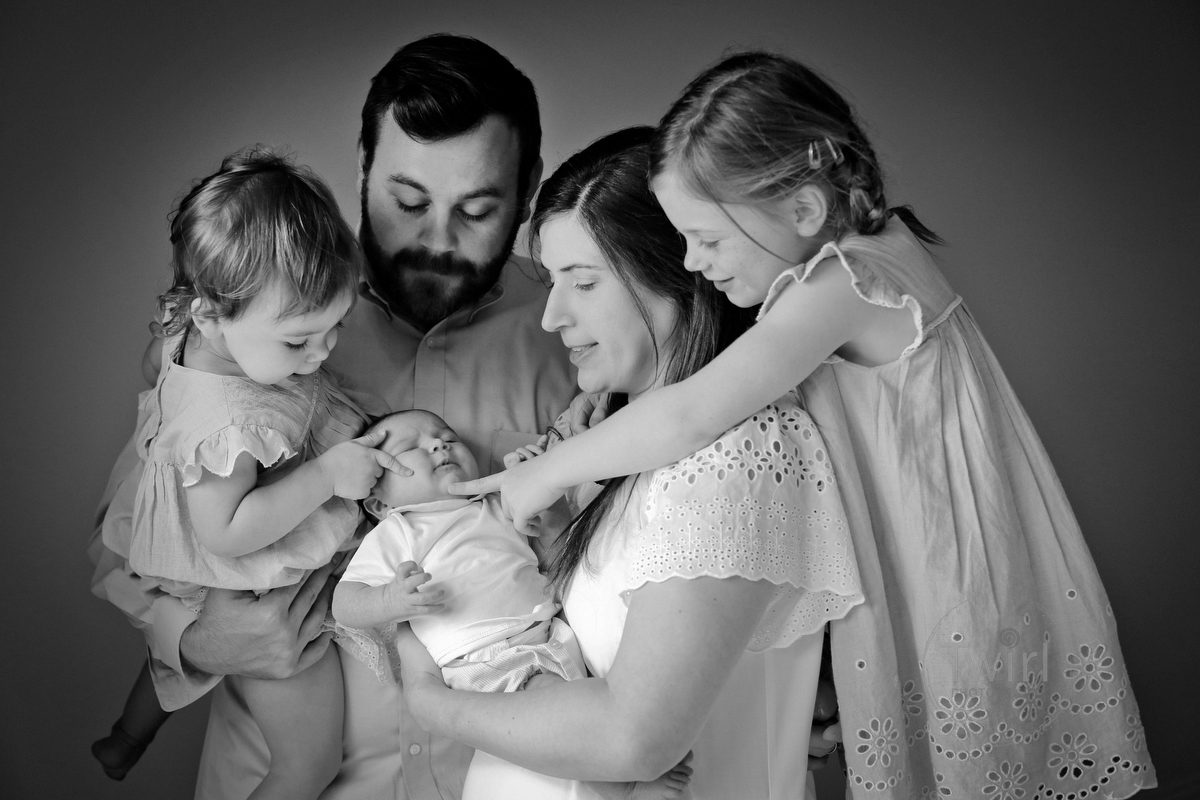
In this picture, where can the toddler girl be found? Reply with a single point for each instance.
(986, 658)
(250, 469)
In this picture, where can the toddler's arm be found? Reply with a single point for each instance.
(233, 515)
(358, 605)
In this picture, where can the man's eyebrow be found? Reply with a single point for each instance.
(482, 192)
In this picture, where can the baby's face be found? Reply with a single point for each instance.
(425, 444)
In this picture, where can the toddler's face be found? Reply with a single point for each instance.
(425, 444)
(268, 348)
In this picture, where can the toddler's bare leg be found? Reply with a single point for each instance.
(301, 720)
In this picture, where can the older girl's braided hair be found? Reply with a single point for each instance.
(758, 126)
(257, 220)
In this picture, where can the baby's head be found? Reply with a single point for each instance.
(423, 442)
(262, 237)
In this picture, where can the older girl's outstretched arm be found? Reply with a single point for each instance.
(808, 322)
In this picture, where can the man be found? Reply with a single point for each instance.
(448, 322)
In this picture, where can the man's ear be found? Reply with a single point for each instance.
(811, 208)
(535, 178)
(205, 318)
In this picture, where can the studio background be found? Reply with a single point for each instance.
(1053, 145)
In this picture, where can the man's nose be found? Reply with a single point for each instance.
(441, 235)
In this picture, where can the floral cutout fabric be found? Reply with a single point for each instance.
(985, 661)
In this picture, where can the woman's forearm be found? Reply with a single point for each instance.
(681, 641)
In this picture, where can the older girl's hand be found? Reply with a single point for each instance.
(526, 490)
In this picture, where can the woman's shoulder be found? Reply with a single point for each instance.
(776, 447)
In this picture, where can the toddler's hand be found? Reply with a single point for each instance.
(405, 597)
(353, 467)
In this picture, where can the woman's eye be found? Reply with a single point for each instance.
(707, 245)
(585, 287)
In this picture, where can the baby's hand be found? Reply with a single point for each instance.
(526, 452)
(405, 597)
(353, 467)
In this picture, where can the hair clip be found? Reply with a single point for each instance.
(835, 153)
(814, 158)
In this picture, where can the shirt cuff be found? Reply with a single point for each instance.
(168, 618)
(175, 686)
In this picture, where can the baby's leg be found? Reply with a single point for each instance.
(301, 720)
(666, 787)
(140, 720)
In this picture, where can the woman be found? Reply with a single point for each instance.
(698, 591)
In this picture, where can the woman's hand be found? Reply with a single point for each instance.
(419, 676)
(526, 489)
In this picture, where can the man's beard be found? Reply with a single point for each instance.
(423, 287)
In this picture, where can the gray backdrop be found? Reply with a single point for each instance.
(1054, 148)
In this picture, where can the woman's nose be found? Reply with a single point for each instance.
(554, 318)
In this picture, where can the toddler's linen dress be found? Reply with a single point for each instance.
(985, 662)
(194, 421)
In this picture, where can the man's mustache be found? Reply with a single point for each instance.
(419, 259)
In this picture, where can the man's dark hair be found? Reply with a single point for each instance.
(445, 85)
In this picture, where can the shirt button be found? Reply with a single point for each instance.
(414, 749)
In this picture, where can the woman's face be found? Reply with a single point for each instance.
(595, 313)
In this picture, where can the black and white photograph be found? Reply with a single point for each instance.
(751, 400)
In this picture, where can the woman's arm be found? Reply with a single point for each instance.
(233, 516)
(681, 640)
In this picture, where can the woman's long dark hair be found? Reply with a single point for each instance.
(606, 186)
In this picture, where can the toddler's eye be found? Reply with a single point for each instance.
(294, 345)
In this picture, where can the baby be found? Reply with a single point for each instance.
(488, 619)
(464, 579)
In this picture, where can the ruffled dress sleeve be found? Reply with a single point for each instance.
(759, 503)
(196, 423)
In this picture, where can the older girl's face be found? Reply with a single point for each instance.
(595, 313)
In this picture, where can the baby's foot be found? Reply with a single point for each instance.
(118, 752)
(666, 787)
